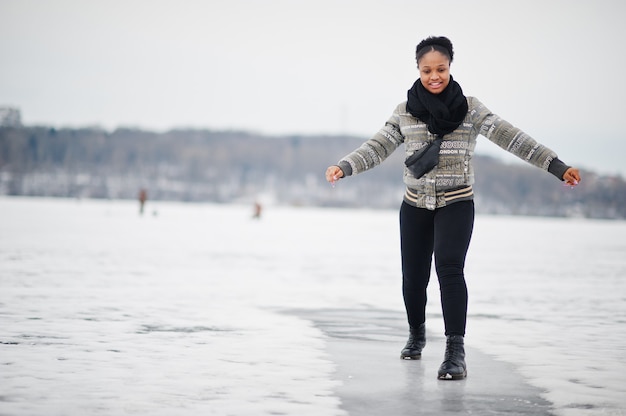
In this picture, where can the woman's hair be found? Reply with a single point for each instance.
(434, 43)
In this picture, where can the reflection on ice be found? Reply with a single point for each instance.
(153, 328)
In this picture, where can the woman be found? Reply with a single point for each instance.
(437, 212)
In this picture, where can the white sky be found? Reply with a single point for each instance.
(552, 68)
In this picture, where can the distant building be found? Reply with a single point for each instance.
(10, 117)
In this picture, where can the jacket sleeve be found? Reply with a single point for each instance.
(515, 141)
(375, 150)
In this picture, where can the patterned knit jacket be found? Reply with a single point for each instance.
(452, 179)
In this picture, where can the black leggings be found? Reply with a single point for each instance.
(446, 232)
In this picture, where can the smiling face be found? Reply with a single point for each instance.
(434, 70)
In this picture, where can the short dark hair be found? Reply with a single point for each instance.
(434, 43)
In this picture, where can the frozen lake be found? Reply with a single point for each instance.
(181, 311)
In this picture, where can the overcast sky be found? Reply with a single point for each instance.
(552, 68)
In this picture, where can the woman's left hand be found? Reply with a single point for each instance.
(571, 177)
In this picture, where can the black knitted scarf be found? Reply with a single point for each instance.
(443, 112)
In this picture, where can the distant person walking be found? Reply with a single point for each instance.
(142, 197)
(256, 214)
(438, 126)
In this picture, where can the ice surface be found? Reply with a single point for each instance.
(181, 311)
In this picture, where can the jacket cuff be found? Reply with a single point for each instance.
(558, 168)
(345, 167)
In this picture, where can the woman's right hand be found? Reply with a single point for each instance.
(333, 174)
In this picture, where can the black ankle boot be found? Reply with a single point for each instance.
(417, 340)
(453, 366)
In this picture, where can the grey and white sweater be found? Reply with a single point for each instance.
(452, 179)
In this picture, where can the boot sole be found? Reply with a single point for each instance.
(410, 357)
(448, 376)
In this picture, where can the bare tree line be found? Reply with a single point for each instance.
(235, 166)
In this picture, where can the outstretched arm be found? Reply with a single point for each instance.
(515, 141)
(372, 152)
